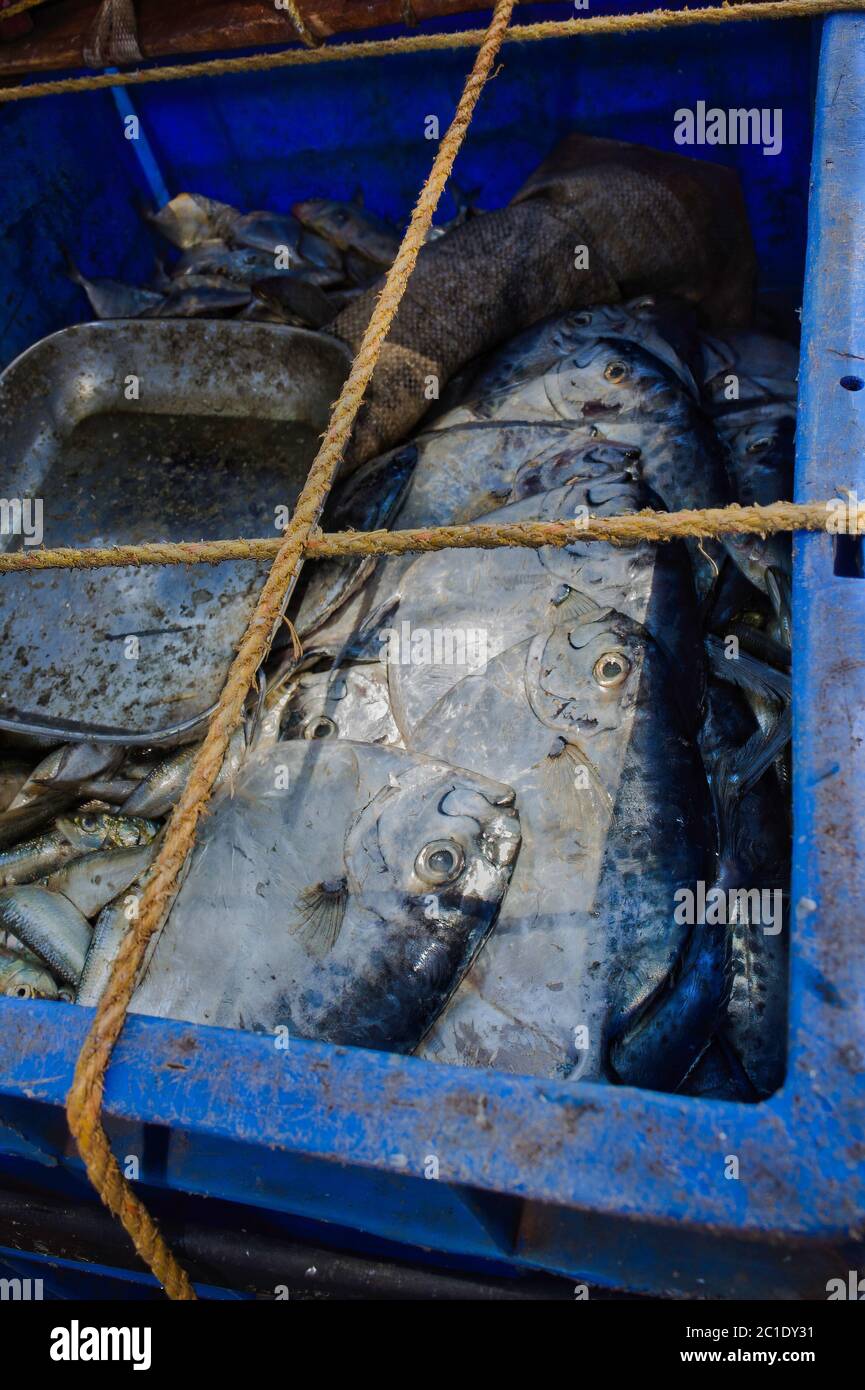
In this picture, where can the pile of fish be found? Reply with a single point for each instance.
(298, 268)
(468, 803)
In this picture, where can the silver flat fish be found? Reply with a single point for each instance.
(601, 766)
(350, 702)
(342, 891)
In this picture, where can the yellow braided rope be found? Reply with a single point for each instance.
(19, 8)
(84, 1103)
(427, 43)
(626, 529)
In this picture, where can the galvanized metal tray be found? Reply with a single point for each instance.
(128, 431)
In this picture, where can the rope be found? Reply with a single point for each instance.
(304, 32)
(427, 43)
(19, 8)
(84, 1102)
(625, 529)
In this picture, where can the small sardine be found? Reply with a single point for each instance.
(296, 299)
(21, 977)
(13, 775)
(70, 837)
(190, 218)
(110, 299)
(92, 880)
(267, 231)
(48, 925)
(67, 767)
(350, 227)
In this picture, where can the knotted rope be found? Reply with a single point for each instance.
(625, 529)
(84, 1103)
(428, 43)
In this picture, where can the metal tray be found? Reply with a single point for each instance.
(129, 431)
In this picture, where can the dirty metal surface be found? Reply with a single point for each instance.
(155, 430)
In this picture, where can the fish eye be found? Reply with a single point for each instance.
(583, 318)
(66, 995)
(22, 991)
(616, 372)
(611, 669)
(319, 726)
(439, 862)
(90, 824)
(759, 446)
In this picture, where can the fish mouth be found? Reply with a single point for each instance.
(501, 839)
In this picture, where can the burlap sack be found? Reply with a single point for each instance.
(651, 222)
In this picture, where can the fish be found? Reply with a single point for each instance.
(350, 227)
(344, 702)
(111, 299)
(241, 267)
(513, 592)
(614, 816)
(70, 837)
(616, 389)
(750, 830)
(345, 889)
(67, 767)
(190, 218)
(453, 476)
(22, 977)
(208, 300)
(48, 925)
(161, 788)
(296, 299)
(93, 880)
(665, 328)
(14, 773)
(747, 367)
(761, 449)
(16, 825)
(109, 929)
(267, 231)
(360, 504)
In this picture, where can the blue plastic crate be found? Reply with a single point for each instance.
(617, 1186)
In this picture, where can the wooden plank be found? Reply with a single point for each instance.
(208, 26)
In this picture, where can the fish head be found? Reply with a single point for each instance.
(585, 679)
(22, 978)
(431, 857)
(350, 702)
(600, 460)
(92, 830)
(607, 381)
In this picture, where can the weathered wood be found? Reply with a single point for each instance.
(203, 26)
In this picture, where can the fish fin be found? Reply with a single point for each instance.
(565, 771)
(779, 590)
(322, 912)
(736, 773)
(748, 673)
(364, 644)
(575, 604)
